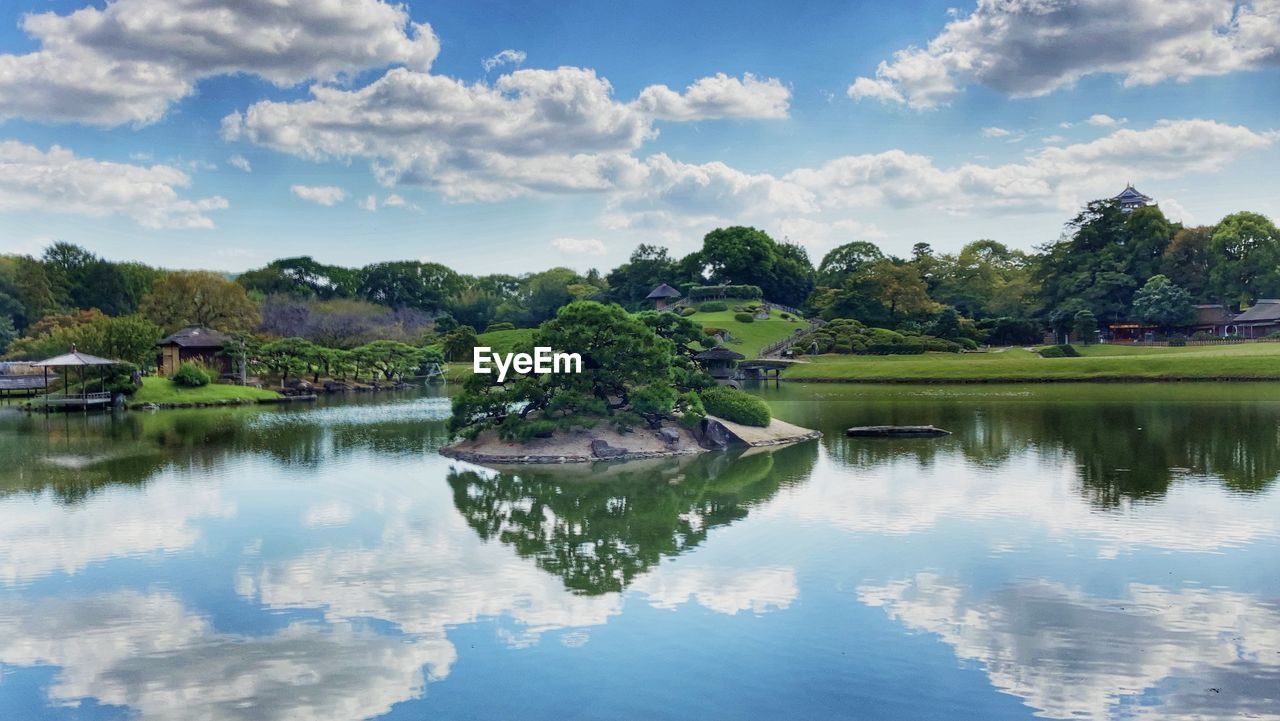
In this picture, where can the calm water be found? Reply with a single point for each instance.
(1103, 551)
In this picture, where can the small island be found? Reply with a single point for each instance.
(641, 393)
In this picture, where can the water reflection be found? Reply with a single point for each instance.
(600, 528)
(1102, 552)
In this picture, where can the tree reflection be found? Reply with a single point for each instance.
(599, 528)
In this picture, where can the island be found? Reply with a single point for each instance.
(639, 392)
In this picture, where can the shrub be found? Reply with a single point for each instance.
(1177, 340)
(191, 375)
(786, 316)
(1204, 335)
(744, 317)
(494, 327)
(712, 330)
(798, 350)
(1059, 351)
(732, 404)
(713, 306)
(967, 343)
(688, 310)
(941, 345)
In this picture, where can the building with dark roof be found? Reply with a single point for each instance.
(1262, 319)
(719, 362)
(193, 343)
(1214, 318)
(1130, 198)
(662, 295)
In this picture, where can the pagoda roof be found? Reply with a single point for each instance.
(1131, 195)
(662, 291)
(195, 336)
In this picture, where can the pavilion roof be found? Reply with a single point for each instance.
(75, 358)
(194, 336)
(719, 353)
(662, 291)
(1130, 194)
(1265, 310)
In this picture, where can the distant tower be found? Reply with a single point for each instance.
(1130, 198)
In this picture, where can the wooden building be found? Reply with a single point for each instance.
(1260, 320)
(193, 343)
(1130, 199)
(720, 362)
(662, 296)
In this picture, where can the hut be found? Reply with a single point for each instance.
(720, 362)
(1260, 320)
(193, 343)
(662, 296)
(1214, 319)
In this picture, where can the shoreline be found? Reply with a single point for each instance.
(1028, 381)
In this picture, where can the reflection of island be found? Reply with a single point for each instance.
(1071, 655)
(600, 530)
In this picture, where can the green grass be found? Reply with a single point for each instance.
(502, 341)
(164, 391)
(1249, 361)
(749, 338)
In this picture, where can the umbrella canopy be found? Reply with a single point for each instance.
(75, 358)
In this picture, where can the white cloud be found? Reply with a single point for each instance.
(1105, 121)
(994, 132)
(321, 194)
(130, 60)
(506, 57)
(1033, 47)
(58, 180)
(394, 201)
(370, 203)
(240, 162)
(1052, 139)
(718, 96)
(579, 246)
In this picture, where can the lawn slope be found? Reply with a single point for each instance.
(163, 391)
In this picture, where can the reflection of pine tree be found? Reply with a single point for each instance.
(600, 534)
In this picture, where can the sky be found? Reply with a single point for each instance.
(512, 137)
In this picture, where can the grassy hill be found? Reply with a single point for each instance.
(164, 391)
(749, 338)
(1246, 361)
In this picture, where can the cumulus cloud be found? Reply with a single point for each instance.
(1033, 47)
(506, 57)
(58, 180)
(579, 246)
(1103, 120)
(321, 194)
(131, 59)
(240, 163)
(718, 96)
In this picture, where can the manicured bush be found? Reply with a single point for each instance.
(712, 330)
(1205, 335)
(732, 404)
(967, 343)
(703, 292)
(786, 316)
(713, 306)
(744, 317)
(191, 375)
(941, 345)
(1059, 351)
(494, 327)
(1177, 340)
(688, 311)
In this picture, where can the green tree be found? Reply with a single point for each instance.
(947, 324)
(391, 358)
(899, 289)
(846, 260)
(648, 267)
(8, 333)
(287, 357)
(199, 298)
(459, 342)
(409, 284)
(1084, 324)
(1246, 258)
(1188, 261)
(1164, 304)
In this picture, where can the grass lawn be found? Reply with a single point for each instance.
(1246, 361)
(749, 338)
(163, 390)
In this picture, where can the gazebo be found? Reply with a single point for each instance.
(662, 295)
(720, 362)
(84, 399)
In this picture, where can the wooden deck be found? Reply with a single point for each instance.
(83, 401)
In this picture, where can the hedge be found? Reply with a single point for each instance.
(733, 405)
(1059, 351)
(713, 306)
(744, 317)
(703, 292)
(190, 375)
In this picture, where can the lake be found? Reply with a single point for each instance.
(1093, 551)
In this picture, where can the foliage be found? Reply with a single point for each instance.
(648, 267)
(409, 284)
(199, 298)
(713, 306)
(744, 317)
(391, 358)
(688, 311)
(734, 405)
(459, 343)
(1059, 351)
(494, 327)
(947, 324)
(1085, 326)
(129, 338)
(302, 277)
(191, 375)
(627, 377)
(1246, 258)
(288, 357)
(1163, 304)
(444, 323)
(746, 292)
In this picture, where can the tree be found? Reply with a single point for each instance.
(791, 279)
(626, 376)
(899, 288)
(1163, 304)
(287, 357)
(1246, 258)
(648, 267)
(392, 358)
(7, 333)
(409, 284)
(1085, 326)
(129, 338)
(1187, 261)
(459, 342)
(947, 324)
(848, 259)
(302, 277)
(199, 298)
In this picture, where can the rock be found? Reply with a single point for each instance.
(300, 385)
(712, 435)
(600, 448)
(670, 436)
(336, 387)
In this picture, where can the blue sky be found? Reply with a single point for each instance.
(194, 133)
